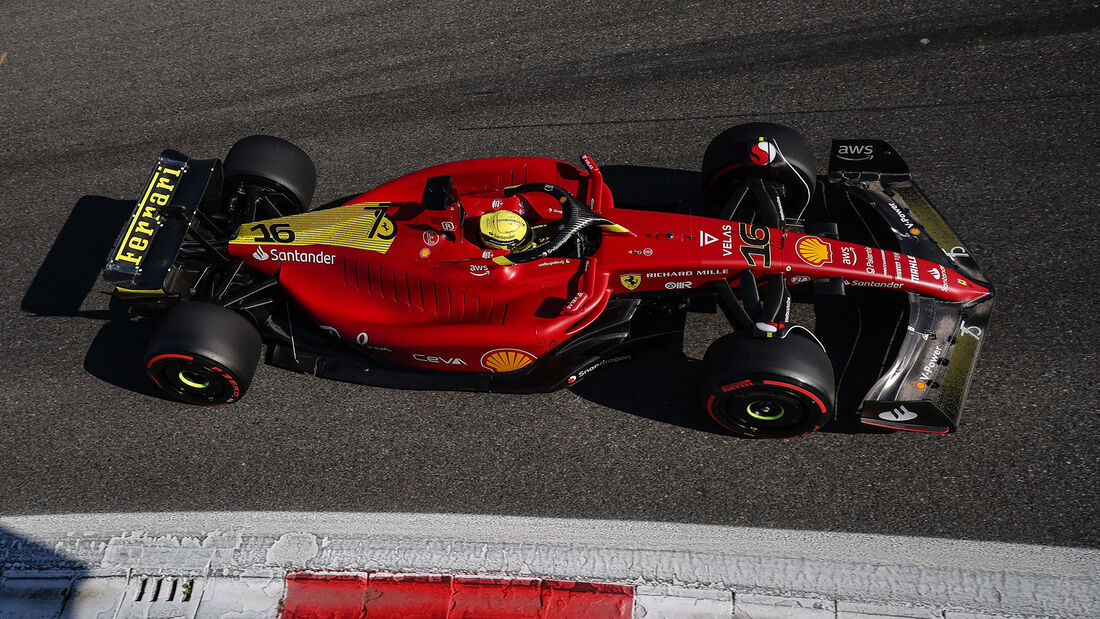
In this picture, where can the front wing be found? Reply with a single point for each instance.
(929, 348)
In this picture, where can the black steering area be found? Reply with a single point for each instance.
(575, 217)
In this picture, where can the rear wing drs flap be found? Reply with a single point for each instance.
(924, 384)
(141, 264)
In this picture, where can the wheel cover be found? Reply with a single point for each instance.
(762, 408)
(765, 410)
(193, 380)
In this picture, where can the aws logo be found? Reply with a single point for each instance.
(855, 152)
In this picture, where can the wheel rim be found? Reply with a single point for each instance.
(193, 379)
(765, 410)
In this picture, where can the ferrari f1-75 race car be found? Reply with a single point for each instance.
(520, 275)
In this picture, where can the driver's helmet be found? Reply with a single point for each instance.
(504, 230)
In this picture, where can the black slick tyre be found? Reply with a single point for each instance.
(733, 156)
(272, 163)
(203, 354)
(768, 388)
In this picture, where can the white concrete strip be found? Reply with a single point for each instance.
(961, 576)
(100, 598)
(666, 602)
(857, 610)
(116, 597)
(778, 607)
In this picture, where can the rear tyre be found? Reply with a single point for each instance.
(203, 354)
(768, 388)
(732, 156)
(272, 163)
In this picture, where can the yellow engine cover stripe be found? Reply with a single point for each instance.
(355, 227)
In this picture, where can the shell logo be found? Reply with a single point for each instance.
(506, 360)
(814, 251)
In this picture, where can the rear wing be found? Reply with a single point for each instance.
(141, 263)
(924, 384)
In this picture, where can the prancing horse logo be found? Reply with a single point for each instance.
(630, 281)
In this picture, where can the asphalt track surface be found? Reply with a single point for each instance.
(994, 107)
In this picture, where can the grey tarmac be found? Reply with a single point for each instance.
(991, 104)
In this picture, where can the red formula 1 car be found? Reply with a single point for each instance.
(520, 274)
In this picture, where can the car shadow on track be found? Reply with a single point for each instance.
(658, 384)
(69, 273)
(115, 354)
(651, 188)
(72, 266)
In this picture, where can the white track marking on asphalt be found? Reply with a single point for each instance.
(1003, 578)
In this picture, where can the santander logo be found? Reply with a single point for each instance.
(294, 255)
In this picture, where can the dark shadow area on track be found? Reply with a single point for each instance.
(659, 189)
(662, 383)
(659, 384)
(115, 354)
(73, 264)
(69, 273)
(30, 595)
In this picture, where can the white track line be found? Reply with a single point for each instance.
(983, 577)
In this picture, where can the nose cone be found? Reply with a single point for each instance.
(961, 288)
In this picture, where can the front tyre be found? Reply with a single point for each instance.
(768, 388)
(274, 164)
(734, 155)
(203, 354)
